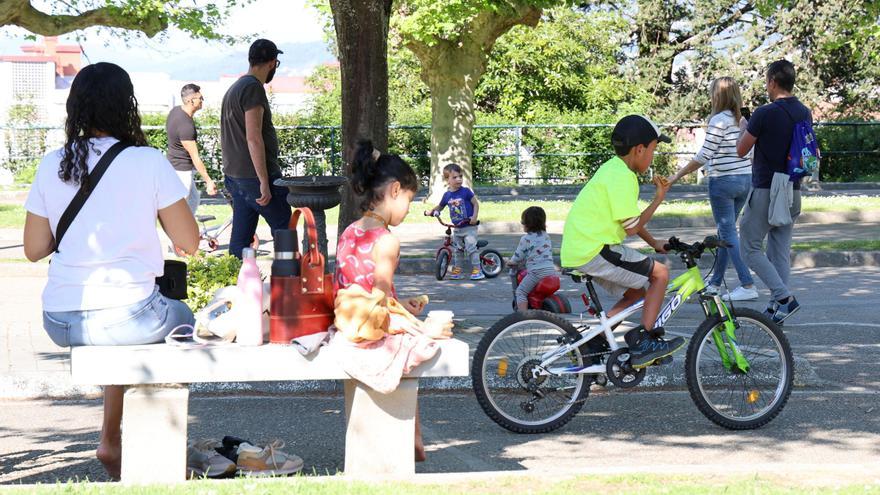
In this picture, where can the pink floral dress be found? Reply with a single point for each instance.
(354, 257)
(379, 363)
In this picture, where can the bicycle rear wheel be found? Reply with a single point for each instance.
(491, 262)
(502, 373)
(732, 398)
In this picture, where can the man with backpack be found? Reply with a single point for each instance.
(774, 202)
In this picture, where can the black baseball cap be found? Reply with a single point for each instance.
(633, 130)
(262, 51)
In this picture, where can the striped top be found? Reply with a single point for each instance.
(718, 153)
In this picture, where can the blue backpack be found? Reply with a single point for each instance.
(803, 153)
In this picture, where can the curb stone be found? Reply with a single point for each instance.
(799, 259)
(425, 266)
(57, 385)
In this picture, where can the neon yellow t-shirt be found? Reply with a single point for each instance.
(610, 196)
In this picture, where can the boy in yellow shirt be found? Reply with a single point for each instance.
(604, 213)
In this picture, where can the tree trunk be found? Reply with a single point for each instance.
(452, 70)
(452, 82)
(362, 39)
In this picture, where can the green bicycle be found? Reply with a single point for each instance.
(532, 370)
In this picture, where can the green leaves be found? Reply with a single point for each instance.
(432, 21)
(150, 17)
(206, 274)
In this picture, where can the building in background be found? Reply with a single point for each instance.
(38, 79)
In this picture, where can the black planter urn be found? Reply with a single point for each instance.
(318, 193)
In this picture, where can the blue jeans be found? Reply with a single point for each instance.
(144, 322)
(246, 212)
(727, 195)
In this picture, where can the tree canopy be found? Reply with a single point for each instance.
(149, 17)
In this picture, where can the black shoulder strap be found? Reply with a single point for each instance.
(82, 195)
(780, 105)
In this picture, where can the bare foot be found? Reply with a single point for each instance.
(111, 458)
(420, 452)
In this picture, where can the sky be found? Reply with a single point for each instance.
(286, 22)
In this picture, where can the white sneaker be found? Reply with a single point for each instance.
(203, 461)
(741, 294)
(712, 289)
(268, 460)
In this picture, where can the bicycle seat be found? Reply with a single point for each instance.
(205, 218)
(482, 244)
(576, 275)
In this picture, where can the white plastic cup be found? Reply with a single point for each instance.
(440, 316)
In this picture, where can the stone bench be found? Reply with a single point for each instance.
(379, 427)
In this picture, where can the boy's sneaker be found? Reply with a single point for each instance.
(783, 311)
(267, 461)
(651, 349)
(202, 460)
(712, 289)
(741, 294)
(455, 273)
(477, 274)
(772, 306)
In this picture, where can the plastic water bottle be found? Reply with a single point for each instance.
(250, 307)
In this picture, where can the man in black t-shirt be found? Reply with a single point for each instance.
(183, 151)
(770, 131)
(250, 150)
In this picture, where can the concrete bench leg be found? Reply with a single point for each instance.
(379, 436)
(154, 434)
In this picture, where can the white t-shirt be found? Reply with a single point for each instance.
(111, 253)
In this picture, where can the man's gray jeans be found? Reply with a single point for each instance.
(774, 266)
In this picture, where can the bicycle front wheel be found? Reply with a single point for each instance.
(729, 396)
(503, 375)
(442, 264)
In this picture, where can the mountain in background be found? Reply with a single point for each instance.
(201, 63)
(297, 59)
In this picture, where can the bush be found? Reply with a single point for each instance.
(206, 274)
(839, 144)
(26, 172)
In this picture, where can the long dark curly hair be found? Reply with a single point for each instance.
(102, 100)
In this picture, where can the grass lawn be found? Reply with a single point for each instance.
(852, 245)
(636, 483)
(509, 211)
(12, 216)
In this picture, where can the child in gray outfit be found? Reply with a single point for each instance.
(534, 253)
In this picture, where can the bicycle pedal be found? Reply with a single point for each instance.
(662, 361)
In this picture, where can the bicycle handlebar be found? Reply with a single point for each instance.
(454, 226)
(696, 249)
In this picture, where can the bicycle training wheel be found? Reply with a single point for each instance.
(491, 262)
(442, 264)
(732, 398)
(502, 375)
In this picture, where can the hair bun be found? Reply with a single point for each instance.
(364, 168)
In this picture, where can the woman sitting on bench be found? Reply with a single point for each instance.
(102, 281)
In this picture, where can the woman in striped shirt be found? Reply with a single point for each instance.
(729, 182)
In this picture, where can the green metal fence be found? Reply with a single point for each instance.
(533, 153)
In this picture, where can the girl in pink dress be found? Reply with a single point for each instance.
(367, 252)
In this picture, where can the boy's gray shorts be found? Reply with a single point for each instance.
(617, 268)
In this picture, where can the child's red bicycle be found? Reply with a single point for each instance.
(491, 261)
